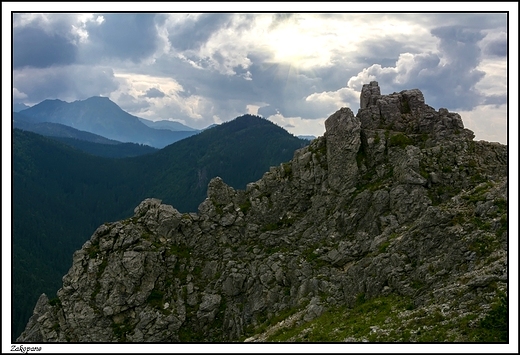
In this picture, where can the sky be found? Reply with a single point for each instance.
(294, 69)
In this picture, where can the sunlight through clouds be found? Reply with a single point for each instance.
(134, 88)
(303, 65)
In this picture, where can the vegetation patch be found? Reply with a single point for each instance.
(312, 257)
(179, 251)
(393, 319)
(377, 139)
(245, 206)
(400, 140)
(483, 245)
(93, 251)
(120, 330)
(284, 222)
(55, 302)
(405, 108)
(501, 205)
(494, 328)
(156, 299)
(287, 169)
(478, 193)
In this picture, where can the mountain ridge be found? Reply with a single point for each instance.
(102, 116)
(167, 124)
(394, 211)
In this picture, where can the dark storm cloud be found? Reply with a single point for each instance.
(474, 21)
(267, 111)
(283, 87)
(192, 34)
(128, 36)
(454, 82)
(384, 50)
(34, 47)
(497, 48)
(450, 84)
(153, 93)
(496, 100)
(67, 83)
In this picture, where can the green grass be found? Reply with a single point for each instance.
(400, 140)
(493, 328)
(336, 324)
(179, 251)
(484, 244)
(393, 319)
(245, 206)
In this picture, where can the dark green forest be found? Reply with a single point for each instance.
(61, 194)
(122, 150)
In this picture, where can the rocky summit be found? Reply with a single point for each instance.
(390, 227)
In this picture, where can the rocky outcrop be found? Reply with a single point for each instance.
(407, 112)
(395, 201)
(343, 138)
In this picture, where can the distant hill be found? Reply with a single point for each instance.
(85, 141)
(246, 146)
(51, 129)
(61, 195)
(101, 116)
(307, 137)
(170, 125)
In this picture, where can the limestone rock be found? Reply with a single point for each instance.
(395, 201)
(343, 140)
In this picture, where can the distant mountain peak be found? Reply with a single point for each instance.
(102, 116)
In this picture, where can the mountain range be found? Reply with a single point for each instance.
(391, 227)
(85, 141)
(101, 116)
(165, 124)
(60, 194)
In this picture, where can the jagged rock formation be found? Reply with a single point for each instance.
(395, 201)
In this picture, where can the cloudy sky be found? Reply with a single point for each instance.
(292, 68)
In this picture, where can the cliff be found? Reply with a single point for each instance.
(395, 210)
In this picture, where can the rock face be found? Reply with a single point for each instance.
(397, 200)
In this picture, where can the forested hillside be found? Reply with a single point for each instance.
(60, 194)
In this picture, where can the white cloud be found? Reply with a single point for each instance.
(17, 95)
(299, 126)
(487, 122)
(330, 101)
(175, 104)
